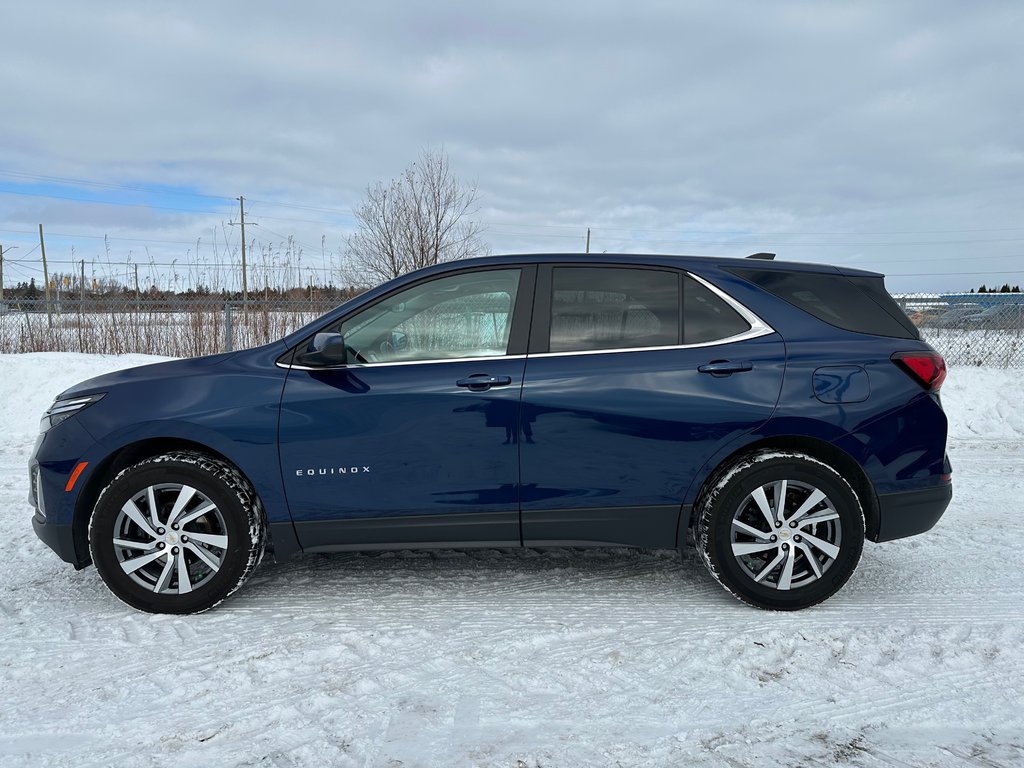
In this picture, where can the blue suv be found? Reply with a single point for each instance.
(776, 414)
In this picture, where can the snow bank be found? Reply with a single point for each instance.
(521, 658)
(30, 382)
(983, 403)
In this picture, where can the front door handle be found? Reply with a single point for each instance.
(481, 382)
(725, 367)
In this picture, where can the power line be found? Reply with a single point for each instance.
(296, 221)
(767, 241)
(290, 237)
(580, 237)
(328, 272)
(302, 207)
(884, 260)
(615, 241)
(940, 274)
(313, 248)
(22, 272)
(724, 235)
(326, 269)
(173, 263)
(107, 185)
(102, 237)
(110, 202)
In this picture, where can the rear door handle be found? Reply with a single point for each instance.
(481, 382)
(725, 367)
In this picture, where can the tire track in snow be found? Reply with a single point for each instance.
(875, 700)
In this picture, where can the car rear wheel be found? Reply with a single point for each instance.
(780, 530)
(177, 533)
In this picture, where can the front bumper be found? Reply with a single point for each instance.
(59, 538)
(909, 513)
(58, 451)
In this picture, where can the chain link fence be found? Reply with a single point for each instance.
(968, 329)
(175, 327)
(977, 329)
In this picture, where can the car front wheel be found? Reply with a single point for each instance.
(780, 530)
(176, 533)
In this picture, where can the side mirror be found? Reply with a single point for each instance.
(327, 349)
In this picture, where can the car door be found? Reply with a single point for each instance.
(636, 376)
(411, 439)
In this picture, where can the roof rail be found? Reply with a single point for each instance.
(762, 256)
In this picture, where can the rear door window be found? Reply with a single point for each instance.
(596, 308)
(706, 317)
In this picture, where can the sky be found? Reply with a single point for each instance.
(883, 135)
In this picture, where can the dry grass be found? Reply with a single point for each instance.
(154, 328)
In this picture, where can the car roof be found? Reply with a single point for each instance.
(673, 260)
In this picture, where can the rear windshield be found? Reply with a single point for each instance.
(854, 303)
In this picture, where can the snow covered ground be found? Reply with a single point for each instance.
(526, 658)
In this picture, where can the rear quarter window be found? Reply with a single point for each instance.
(853, 303)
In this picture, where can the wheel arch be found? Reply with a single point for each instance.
(280, 537)
(821, 450)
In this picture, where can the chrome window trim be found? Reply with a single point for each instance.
(745, 336)
(758, 328)
(391, 364)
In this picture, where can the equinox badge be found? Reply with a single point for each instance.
(331, 471)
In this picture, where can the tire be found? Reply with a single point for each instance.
(780, 564)
(188, 564)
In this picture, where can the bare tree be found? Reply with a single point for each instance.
(419, 219)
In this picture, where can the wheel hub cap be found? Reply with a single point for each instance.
(786, 534)
(170, 561)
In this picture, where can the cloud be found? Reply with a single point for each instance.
(661, 125)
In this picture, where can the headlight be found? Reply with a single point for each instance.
(65, 409)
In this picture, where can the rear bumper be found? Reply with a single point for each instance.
(909, 513)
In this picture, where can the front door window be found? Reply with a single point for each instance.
(467, 315)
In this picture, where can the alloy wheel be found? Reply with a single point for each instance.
(786, 534)
(170, 538)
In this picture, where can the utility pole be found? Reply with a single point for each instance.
(2, 274)
(245, 271)
(241, 221)
(82, 285)
(46, 280)
(138, 307)
(588, 239)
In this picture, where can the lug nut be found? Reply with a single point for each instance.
(174, 526)
(797, 538)
(778, 523)
(792, 525)
(174, 550)
(160, 545)
(161, 531)
(774, 537)
(184, 538)
(785, 546)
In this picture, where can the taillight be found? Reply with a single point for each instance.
(926, 368)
